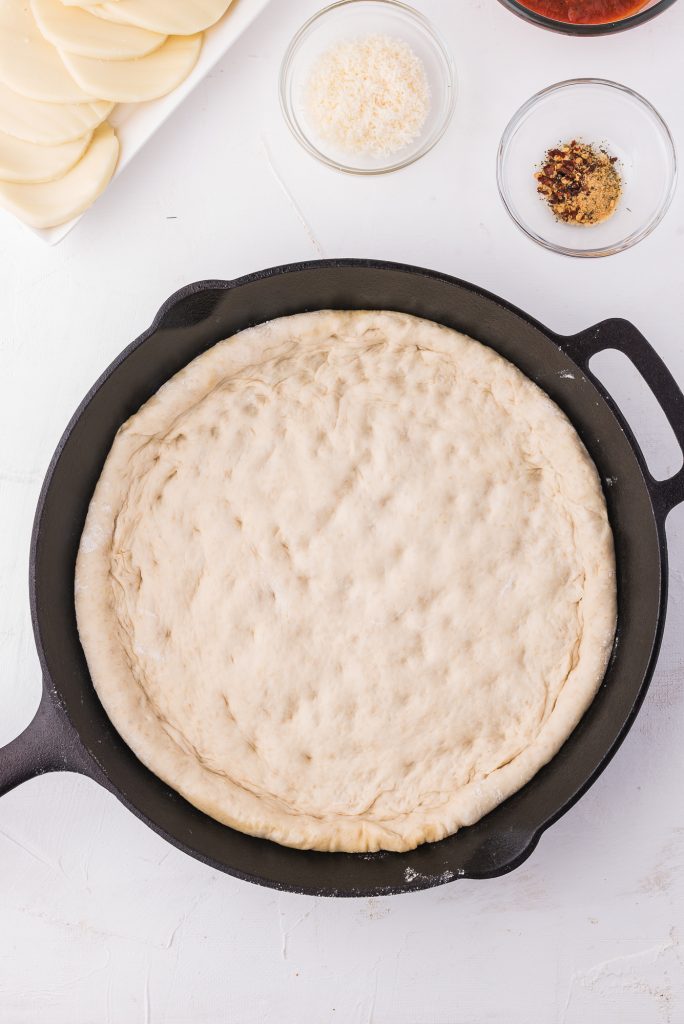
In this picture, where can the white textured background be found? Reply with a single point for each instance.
(100, 921)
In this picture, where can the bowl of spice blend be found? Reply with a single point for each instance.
(367, 86)
(587, 17)
(587, 167)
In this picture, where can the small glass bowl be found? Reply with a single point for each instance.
(604, 114)
(348, 19)
(647, 12)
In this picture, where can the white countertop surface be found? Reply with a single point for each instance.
(101, 922)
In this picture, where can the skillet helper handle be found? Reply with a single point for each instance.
(624, 336)
(49, 743)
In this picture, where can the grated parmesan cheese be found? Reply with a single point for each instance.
(369, 95)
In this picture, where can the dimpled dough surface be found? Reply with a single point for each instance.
(347, 581)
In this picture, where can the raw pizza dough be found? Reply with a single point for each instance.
(347, 581)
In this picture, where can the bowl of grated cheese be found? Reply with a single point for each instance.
(367, 86)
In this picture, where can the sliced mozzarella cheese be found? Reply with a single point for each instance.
(48, 124)
(56, 202)
(29, 64)
(75, 30)
(26, 162)
(172, 17)
(134, 81)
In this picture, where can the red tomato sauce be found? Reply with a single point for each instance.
(584, 12)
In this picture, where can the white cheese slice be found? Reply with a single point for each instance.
(55, 202)
(135, 81)
(172, 17)
(48, 124)
(29, 64)
(75, 30)
(26, 162)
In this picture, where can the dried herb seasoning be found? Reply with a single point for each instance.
(580, 183)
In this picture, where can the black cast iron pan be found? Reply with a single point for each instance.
(71, 731)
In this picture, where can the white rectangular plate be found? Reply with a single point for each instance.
(135, 123)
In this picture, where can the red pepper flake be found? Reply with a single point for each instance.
(580, 183)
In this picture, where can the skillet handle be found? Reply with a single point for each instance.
(49, 743)
(624, 336)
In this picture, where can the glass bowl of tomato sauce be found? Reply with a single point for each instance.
(587, 17)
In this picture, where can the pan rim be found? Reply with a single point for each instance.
(417, 882)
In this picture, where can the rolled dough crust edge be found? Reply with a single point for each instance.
(255, 815)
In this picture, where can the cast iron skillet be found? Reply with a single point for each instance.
(71, 731)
